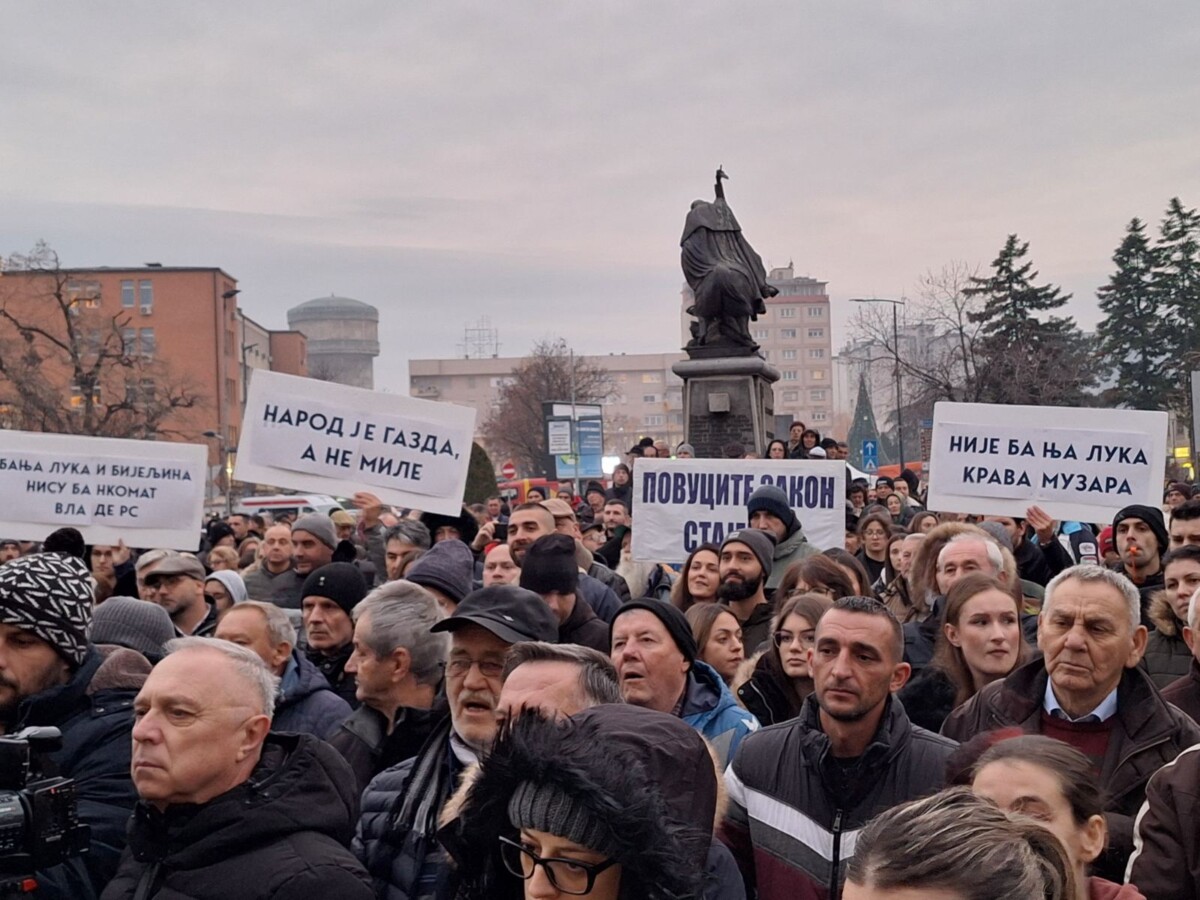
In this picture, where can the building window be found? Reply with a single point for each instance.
(818, 374)
(816, 333)
(83, 294)
(787, 312)
(230, 391)
(128, 300)
(655, 420)
(129, 341)
(791, 396)
(146, 341)
(816, 353)
(651, 377)
(819, 415)
(766, 354)
(146, 297)
(816, 312)
(789, 354)
(470, 381)
(789, 374)
(650, 398)
(762, 334)
(786, 334)
(816, 396)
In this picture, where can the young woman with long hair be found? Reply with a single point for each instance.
(778, 681)
(699, 578)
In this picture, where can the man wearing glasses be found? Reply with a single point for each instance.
(177, 585)
(401, 806)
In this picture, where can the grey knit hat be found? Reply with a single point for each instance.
(319, 526)
(137, 624)
(548, 808)
(49, 595)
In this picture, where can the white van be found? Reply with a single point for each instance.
(288, 504)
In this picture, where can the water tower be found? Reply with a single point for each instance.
(343, 339)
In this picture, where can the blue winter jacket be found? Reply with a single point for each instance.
(306, 703)
(710, 707)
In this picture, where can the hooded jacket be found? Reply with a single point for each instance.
(306, 703)
(791, 549)
(710, 707)
(1167, 656)
(1147, 733)
(794, 814)
(281, 834)
(94, 712)
(654, 786)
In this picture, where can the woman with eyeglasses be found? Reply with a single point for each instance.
(615, 803)
(873, 533)
(780, 678)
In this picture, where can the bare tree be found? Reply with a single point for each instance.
(68, 367)
(516, 427)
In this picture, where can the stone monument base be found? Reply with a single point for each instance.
(727, 400)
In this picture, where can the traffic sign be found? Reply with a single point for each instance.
(870, 456)
(509, 470)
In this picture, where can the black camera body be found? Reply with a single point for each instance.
(39, 816)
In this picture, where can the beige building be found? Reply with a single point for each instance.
(647, 401)
(795, 337)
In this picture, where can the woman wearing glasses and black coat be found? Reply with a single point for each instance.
(616, 803)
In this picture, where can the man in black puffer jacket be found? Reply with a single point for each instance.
(227, 810)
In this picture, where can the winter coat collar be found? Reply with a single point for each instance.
(1163, 616)
(55, 704)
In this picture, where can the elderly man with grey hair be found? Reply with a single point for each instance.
(397, 666)
(305, 702)
(1088, 691)
(556, 679)
(228, 808)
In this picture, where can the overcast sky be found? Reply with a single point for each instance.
(535, 161)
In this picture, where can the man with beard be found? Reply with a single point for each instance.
(645, 579)
(401, 806)
(800, 791)
(744, 567)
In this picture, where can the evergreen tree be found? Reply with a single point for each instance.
(1022, 358)
(863, 427)
(1177, 284)
(1130, 339)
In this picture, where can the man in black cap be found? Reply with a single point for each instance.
(177, 585)
(329, 594)
(768, 510)
(551, 571)
(744, 568)
(401, 806)
(52, 675)
(1141, 539)
(654, 653)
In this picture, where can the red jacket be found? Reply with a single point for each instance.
(1099, 889)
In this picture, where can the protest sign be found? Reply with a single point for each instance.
(679, 504)
(312, 435)
(147, 493)
(1077, 464)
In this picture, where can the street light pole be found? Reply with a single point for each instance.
(896, 361)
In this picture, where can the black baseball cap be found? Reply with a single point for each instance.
(511, 613)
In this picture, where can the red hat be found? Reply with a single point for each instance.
(1106, 540)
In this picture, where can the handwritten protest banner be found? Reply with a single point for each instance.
(679, 504)
(148, 493)
(313, 435)
(1077, 464)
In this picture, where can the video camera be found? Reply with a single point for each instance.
(39, 816)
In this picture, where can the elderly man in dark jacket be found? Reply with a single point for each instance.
(1089, 692)
(227, 810)
(53, 676)
(306, 702)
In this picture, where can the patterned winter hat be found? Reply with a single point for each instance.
(50, 595)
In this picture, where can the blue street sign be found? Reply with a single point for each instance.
(870, 456)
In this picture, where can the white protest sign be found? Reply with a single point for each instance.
(679, 504)
(147, 493)
(313, 435)
(1077, 464)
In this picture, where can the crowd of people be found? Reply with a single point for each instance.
(384, 703)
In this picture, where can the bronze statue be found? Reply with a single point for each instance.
(727, 279)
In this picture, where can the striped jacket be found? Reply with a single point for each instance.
(795, 813)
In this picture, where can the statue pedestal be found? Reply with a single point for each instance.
(727, 400)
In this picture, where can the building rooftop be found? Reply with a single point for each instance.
(332, 307)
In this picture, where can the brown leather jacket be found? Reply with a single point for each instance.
(1147, 734)
(1166, 855)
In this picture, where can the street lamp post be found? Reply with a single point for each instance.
(896, 304)
(225, 451)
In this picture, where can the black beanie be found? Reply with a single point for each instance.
(673, 620)
(340, 582)
(1152, 517)
(550, 566)
(773, 500)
